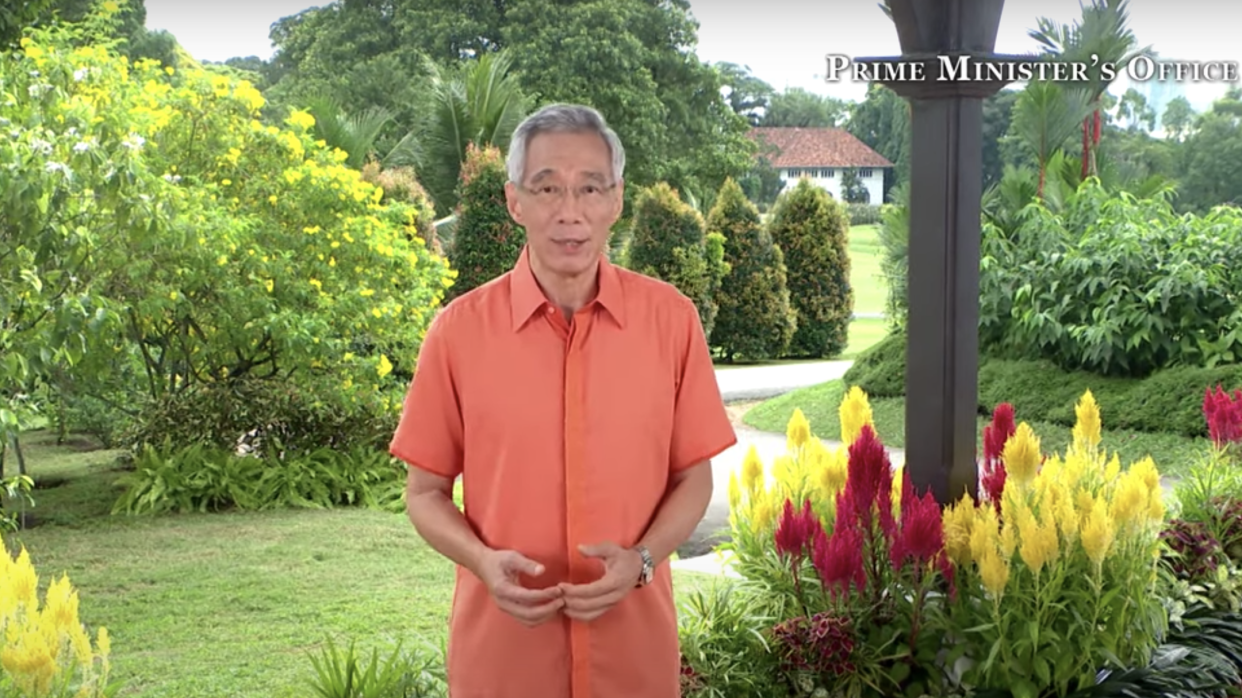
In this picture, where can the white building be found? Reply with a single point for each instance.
(821, 155)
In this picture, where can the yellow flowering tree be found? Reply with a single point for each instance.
(1060, 580)
(198, 243)
(45, 651)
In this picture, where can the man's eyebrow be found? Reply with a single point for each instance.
(596, 177)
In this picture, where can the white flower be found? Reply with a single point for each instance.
(80, 74)
(41, 147)
(133, 141)
(59, 167)
(81, 147)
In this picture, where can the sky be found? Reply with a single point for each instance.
(785, 42)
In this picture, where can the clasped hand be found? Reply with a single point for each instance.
(584, 602)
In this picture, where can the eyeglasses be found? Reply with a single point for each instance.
(587, 194)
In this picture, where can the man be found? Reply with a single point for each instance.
(578, 403)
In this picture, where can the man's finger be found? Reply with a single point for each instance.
(594, 603)
(604, 549)
(533, 615)
(517, 594)
(604, 585)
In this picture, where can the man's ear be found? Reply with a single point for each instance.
(619, 204)
(512, 202)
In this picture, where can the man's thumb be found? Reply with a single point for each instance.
(594, 550)
(521, 563)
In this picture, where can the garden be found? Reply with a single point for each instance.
(214, 282)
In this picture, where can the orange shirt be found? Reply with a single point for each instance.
(563, 434)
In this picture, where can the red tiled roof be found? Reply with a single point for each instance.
(818, 147)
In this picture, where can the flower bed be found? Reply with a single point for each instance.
(1052, 583)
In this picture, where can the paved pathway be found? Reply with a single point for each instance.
(761, 382)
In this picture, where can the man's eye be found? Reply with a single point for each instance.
(591, 189)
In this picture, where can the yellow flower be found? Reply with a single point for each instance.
(735, 491)
(1113, 469)
(994, 571)
(301, 120)
(855, 413)
(984, 532)
(784, 472)
(1021, 455)
(958, 521)
(1098, 532)
(833, 471)
(763, 514)
(270, 285)
(798, 433)
(752, 471)
(385, 366)
(1087, 426)
(1130, 499)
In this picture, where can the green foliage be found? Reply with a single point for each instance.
(486, 241)
(725, 652)
(811, 230)
(864, 214)
(894, 238)
(853, 191)
(344, 674)
(177, 241)
(669, 242)
(1168, 401)
(1115, 285)
(201, 478)
(756, 321)
(302, 417)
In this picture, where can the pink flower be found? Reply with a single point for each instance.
(795, 530)
(1223, 416)
(994, 437)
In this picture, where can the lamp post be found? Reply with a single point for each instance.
(942, 37)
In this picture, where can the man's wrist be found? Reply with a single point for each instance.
(646, 572)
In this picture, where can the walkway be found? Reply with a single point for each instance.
(739, 383)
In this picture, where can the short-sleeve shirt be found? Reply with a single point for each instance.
(564, 433)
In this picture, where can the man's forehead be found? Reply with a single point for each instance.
(552, 173)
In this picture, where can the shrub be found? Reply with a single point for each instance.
(864, 214)
(1115, 285)
(755, 320)
(402, 674)
(400, 185)
(811, 231)
(44, 648)
(198, 478)
(486, 240)
(1168, 401)
(254, 414)
(669, 242)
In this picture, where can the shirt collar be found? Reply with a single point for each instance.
(526, 297)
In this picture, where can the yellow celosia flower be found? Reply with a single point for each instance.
(1021, 455)
(958, 521)
(1098, 532)
(1130, 500)
(788, 479)
(1008, 540)
(834, 470)
(855, 413)
(752, 471)
(1113, 469)
(735, 491)
(994, 571)
(984, 532)
(798, 433)
(1087, 425)
(763, 513)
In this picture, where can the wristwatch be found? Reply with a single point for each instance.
(648, 572)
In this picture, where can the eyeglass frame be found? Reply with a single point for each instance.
(562, 193)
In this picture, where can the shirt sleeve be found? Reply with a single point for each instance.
(701, 426)
(429, 433)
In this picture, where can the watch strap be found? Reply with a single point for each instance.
(648, 572)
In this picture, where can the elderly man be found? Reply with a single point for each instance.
(577, 402)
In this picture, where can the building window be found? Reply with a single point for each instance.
(826, 174)
(794, 172)
(865, 173)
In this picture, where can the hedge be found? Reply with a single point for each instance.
(1168, 401)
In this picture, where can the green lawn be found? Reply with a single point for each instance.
(229, 604)
(870, 288)
(1172, 453)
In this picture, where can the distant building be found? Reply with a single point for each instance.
(821, 154)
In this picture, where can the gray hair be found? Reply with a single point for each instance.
(562, 118)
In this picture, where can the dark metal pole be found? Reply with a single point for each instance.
(946, 181)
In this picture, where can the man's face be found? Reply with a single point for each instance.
(567, 201)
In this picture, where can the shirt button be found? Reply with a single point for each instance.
(550, 310)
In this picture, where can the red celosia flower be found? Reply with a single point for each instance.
(1223, 416)
(869, 469)
(994, 437)
(838, 559)
(922, 532)
(791, 533)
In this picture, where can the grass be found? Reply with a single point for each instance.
(1172, 453)
(229, 604)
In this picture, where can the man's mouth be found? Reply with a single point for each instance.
(570, 244)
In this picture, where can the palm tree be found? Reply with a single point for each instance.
(1045, 116)
(1100, 38)
(480, 102)
(356, 134)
